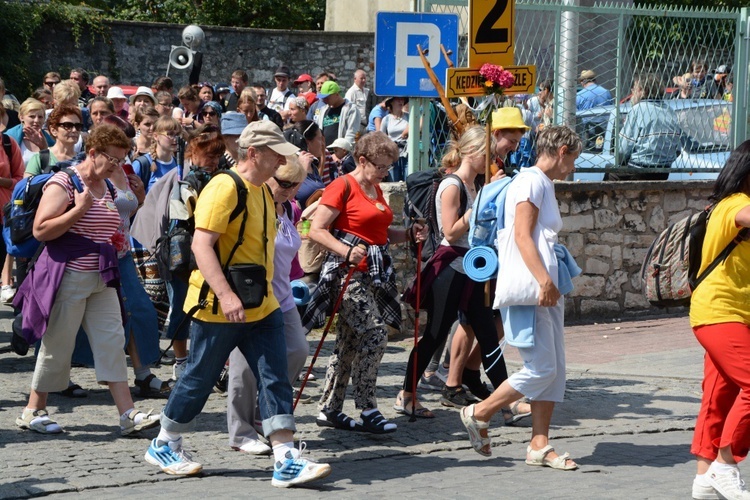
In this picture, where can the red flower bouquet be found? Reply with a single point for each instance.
(495, 79)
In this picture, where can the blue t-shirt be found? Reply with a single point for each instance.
(592, 96)
(161, 169)
(377, 112)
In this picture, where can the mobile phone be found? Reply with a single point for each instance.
(128, 168)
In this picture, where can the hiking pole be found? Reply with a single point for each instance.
(325, 332)
(413, 417)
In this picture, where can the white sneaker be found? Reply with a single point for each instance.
(178, 370)
(254, 447)
(704, 491)
(7, 293)
(172, 458)
(729, 485)
(294, 470)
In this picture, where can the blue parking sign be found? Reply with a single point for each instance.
(398, 68)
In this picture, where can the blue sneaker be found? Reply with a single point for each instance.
(172, 459)
(293, 471)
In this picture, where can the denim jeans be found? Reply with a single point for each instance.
(263, 344)
(177, 290)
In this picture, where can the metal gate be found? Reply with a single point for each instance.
(618, 43)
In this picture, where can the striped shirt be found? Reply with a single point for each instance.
(98, 224)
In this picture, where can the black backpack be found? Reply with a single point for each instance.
(421, 189)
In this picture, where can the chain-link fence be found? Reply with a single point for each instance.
(670, 70)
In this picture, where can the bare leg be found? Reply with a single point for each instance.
(180, 348)
(541, 416)
(7, 273)
(121, 394)
(460, 350)
(133, 353)
(37, 400)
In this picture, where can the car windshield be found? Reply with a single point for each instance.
(709, 125)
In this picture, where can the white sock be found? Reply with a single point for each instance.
(721, 468)
(165, 437)
(280, 451)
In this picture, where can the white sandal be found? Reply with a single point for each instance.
(539, 458)
(473, 426)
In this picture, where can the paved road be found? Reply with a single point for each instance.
(632, 395)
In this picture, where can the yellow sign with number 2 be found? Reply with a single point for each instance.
(492, 32)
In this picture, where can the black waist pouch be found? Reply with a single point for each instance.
(249, 282)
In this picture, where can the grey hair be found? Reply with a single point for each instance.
(550, 139)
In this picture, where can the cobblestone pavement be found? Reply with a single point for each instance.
(632, 395)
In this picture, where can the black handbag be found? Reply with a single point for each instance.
(248, 281)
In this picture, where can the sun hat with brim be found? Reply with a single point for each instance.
(390, 100)
(508, 118)
(304, 77)
(143, 91)
(233, 123)
(329, 88)
(116, 93)
(341, 143)
(266, 133)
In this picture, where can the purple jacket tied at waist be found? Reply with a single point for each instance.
(441, 259)
(37, 293)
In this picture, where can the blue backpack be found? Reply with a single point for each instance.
(19, 212)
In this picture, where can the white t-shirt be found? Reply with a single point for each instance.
(463, 241)
(534, 186)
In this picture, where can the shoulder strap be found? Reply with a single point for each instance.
(7, 146)
(145, 171)
(463, 196)
(721, 257)
(74, 179)
(44, 161)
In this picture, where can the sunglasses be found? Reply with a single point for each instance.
(285, 184)
(209, 113)
(51, 84)
(70, 126)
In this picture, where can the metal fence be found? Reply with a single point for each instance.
(674, 53)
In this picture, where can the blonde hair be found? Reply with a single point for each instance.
(30, 105)
(292, 171)
(66, 91)
(248, 94)
(472, 141)
(164, 125)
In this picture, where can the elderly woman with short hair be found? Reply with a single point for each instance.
(354, 208)
(80, 288)
(530, 207)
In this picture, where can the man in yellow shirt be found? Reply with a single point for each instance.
(226, 324)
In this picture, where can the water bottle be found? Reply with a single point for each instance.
(304, 230)
(482, 235)
(17, 221)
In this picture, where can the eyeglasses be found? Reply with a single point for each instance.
(209, 113)
(166, 104)
(51, 84)
(70, 126)
(113, 160)
(382, 168)
(172, 137)
(285, 184)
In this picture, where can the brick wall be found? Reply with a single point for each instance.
(608, 228)
(140, 53)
